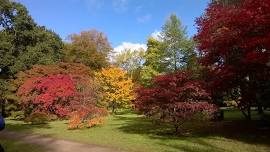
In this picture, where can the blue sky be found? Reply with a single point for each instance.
(129, 21)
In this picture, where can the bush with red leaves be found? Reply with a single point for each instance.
(52, 94)
(174, 98)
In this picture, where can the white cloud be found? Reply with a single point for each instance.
(129, 45)
(144, 19)
(156, 35)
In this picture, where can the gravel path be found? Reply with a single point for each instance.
(54, 145)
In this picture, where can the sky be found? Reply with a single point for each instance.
(127, 23)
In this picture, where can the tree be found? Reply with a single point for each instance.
(226, 2)
(171, 52)
(53, 81)
(23, 43)
(154, 55)
(234, 41)
(174, 98)
(153, 61)
(117, 87)
(177, 46)
(52, 94)
(131, 61)
(75, 70)
(78, 72)
(90, 48)
(87, 89)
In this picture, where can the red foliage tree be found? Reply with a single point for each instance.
(175, 98)
(65, 89)
(52, 94)
(235, 43)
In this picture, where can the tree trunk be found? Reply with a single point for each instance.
(175, 62)
(248, 114)
(176, 127)
(260, 109)
(113, 108)
(2, 107)
(247, 100)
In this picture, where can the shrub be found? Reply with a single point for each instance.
(87, 117)
(57, 90)
(51, 94)
(52, 117)
(175, 98)
(75, 121)
(231, 103)
(95, 122)
(37, 118)
(18, 115)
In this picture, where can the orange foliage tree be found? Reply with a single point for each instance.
(117, 87)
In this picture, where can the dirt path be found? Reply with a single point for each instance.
(54, 145)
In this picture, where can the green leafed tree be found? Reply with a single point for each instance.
(153, 61)
(90, 48)
(23, 43)
(131, 61)
(178, 48)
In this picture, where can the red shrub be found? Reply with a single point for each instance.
(51, 94)
(175, 98)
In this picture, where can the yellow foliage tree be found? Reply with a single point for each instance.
(117, 87)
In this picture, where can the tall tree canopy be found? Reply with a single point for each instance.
(153, 61)
(22, 42)
(171, 52)
(234, 41)
(90, 48)
(178, 47)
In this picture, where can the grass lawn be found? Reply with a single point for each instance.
(15, 146)
(132, 132)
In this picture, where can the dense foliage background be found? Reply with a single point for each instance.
(175, 80)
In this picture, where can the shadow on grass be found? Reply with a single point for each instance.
(204, 147)
(240, 130)
(17, 125)
(24, 142)
(20, 136)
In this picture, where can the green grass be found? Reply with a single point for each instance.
(16, 146)
(132, 132)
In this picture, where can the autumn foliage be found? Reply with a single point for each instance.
(51, 94)
(87, 117)
(175, 98)
(66, 90)
(116, 86)
(234, 41)
(75, 70)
